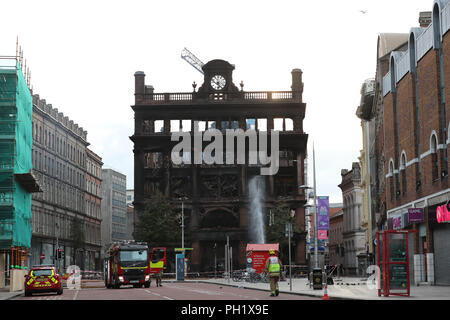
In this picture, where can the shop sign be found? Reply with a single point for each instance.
(415, 215)
(442, 214)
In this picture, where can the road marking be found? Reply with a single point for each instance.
(75, 295)
(157, 294)
(212, 293)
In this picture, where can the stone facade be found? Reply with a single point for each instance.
(114, 207)
(353, 233)
(59, 164)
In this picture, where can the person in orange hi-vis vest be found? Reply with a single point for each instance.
(274, 267)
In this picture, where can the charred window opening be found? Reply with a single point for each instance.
(219, 218)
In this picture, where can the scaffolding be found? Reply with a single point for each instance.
(16, 139)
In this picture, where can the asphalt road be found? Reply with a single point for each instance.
(169, 291)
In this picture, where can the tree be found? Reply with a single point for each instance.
(276, 228)
(157, 222)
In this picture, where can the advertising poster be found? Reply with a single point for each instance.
(323, 216)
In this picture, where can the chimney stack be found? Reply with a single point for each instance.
(297, 84)
(424, 19)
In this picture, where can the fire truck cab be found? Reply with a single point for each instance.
(127, 263)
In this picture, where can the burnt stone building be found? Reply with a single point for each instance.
(216, 196)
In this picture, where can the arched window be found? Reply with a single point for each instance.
(403, 173)
(412, 52)
(391, 177)
(393, 74)
(434, 157)
(436, 26)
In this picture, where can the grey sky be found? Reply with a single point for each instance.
(83, 56)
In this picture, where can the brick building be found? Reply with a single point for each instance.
(416, 117)
(335, 237)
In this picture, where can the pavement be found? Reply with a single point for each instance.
(347, 288)
(343, 288)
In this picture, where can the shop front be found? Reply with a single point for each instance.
(439, 222)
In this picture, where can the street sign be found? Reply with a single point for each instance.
(183, 249)
(288, 230)
(42, 256)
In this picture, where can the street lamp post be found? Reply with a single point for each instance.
(316, 251)
(57, 246)
(182, 221)
(290, 263)
(182, 225)
(182, 233)
(316, 225)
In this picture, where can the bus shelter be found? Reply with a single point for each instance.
(393, 262)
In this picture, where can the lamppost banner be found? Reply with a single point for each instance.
(323, 217)
(322, 234)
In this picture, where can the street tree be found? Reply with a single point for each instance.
(278, 217)
(157, 223)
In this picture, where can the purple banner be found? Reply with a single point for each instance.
(323, 214)
(415, 215)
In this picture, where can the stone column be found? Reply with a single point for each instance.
(243, 217)
(242, 253)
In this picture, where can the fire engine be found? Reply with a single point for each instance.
(128, 263)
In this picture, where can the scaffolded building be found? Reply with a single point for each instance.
(16, 180)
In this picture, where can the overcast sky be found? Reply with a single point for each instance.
(83, 56)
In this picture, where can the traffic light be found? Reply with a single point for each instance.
(59, 253)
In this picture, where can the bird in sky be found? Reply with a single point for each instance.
(363, 11)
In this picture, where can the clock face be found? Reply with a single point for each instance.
(218, 82)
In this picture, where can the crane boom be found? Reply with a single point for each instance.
(192, 59)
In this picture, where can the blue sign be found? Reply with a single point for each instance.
(319, 248)
(179, 264)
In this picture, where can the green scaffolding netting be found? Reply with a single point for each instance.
(16, 108)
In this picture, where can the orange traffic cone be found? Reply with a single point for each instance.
(325, 294)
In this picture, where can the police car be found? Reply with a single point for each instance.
(42, 279)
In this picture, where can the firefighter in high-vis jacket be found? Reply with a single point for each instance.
(274, 267)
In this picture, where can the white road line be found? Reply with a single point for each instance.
(157, 294)
(213, 293)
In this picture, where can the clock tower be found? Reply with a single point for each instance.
(218, 79)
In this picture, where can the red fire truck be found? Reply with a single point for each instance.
(128, 263)
(158, 260)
